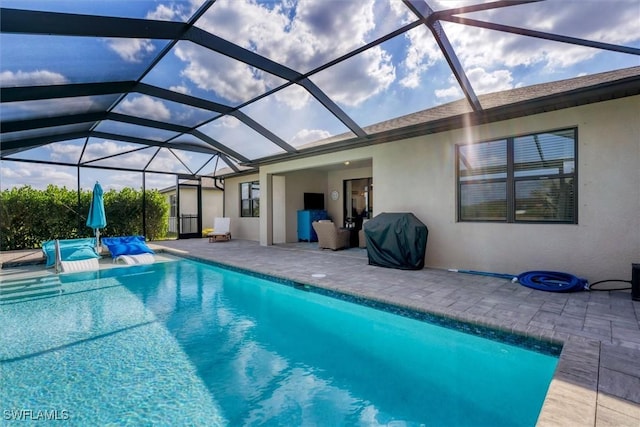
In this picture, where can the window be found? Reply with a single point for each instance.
(529, 178)
(250, 199)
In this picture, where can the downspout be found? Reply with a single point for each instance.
(215, 183)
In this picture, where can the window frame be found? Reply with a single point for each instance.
(254, 202)
(511, 180)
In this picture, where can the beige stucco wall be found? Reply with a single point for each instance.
(241, 228)
(418, 175)
(211, 206)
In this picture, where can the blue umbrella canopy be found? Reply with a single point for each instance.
(97, 219)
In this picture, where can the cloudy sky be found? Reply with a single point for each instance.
(400, 76)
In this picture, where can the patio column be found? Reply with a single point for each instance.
(266, 209)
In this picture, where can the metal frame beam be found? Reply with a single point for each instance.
(34, 93)
(423, 11)
(541, 34)
(18, 21)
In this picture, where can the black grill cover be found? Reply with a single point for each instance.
(396, 240)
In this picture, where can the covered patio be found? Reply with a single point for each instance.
(597, 381)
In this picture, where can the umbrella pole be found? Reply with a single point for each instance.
(98, 248)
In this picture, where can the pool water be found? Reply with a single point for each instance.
(187, 343)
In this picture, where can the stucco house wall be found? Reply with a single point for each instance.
(212, 206)
(419, 175)
(241, 228)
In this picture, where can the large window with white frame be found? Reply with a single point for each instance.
(529, 178)
(250, 199)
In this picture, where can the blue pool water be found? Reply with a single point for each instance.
(187, 343)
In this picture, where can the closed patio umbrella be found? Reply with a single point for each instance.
(97, 219)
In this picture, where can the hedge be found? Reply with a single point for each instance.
(29, 217)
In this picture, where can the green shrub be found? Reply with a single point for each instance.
(29, 217)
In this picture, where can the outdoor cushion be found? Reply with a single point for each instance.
(78, 254)
(85, 249)
(126, 245)
(129, 249)
(122, 239)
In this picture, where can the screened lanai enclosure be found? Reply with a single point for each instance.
(144, 93)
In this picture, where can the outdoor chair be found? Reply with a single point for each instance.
(362, 240)
(221, 230)
(330, 236)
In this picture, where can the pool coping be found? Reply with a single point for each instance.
(572, 395)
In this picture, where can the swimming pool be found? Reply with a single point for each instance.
(187, 343)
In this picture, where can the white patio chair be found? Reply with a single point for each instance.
(221, 230)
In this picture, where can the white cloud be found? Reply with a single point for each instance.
(165, 161)
(104, 148)
(295, 97)
(422, 53)
(63, 152)
(367, 74)
(15, 174)
(299, 35)
(11, 173)
(484, 81)
(230, 79)
(172, 12)
(159, 181)
(145, 106)
(131, 50)
(309, 135)
(450, 93)
(226, 122)
(31, 78)
(180, 89)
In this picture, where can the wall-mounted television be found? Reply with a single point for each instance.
(313, 201)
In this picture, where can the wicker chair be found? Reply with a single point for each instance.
(330, 236)
(362, 240)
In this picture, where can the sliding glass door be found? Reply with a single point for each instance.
(358, 201)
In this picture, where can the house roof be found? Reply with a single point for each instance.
(189, 88)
